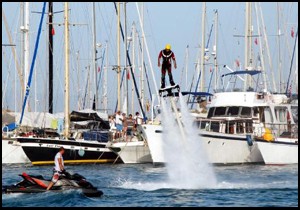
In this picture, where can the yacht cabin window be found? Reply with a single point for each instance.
(233, 111)
(246, 112)
(210, 112)
(281, 114)
(267, 115)
(220, 111)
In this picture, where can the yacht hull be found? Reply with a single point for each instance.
(277, 153)
(132, 152)
(12, 152)
(220, 148)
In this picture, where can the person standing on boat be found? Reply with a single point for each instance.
(130, 124)
(124, 120)
(138, 120)
(130, 121)
(59, 167)
(167, 56)
(119, 124)
(112, 125)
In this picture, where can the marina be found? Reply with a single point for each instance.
(124, 123)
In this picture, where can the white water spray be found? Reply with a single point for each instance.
(185, 156)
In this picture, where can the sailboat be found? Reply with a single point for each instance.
(42, 149)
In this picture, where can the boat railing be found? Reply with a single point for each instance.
(283, 130)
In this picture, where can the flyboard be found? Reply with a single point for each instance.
(171, 92)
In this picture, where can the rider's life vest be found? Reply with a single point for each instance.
(167, 55)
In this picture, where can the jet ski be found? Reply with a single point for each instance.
(37, 184)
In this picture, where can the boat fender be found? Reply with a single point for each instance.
(81, 152)
(249, 139)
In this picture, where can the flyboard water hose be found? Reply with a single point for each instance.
(177, 118)
(171, 96)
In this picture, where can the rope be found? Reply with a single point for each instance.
(120, 153)
(101, 154)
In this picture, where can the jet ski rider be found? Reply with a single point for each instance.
(59, 167)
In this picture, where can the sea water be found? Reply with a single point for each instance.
(146, 185)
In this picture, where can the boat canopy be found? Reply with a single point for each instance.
(78, 116)
(196, 93)
(251, 72)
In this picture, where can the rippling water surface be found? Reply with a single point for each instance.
(148, 185)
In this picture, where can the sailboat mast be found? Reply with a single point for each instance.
(142, 66)
(203, 47)
(26, 44)
(248, 41)
(215, 49)
(105, 102)
(133, 65)
(22, 27)
(50, 50)
(279, 55)
(147, 50)
(267, 47)
(66, 134)
(119, 59)
(261, 49)
(125, 56)
(94, 57)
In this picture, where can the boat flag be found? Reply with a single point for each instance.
(99, 69)
(256, 41)
(292, 32)
(128, 75)
(53, 32)
(237, 62)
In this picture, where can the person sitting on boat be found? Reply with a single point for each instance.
(166, 56)
(59, 168)
(119, 124)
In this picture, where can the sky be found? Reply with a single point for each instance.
(178, 24)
